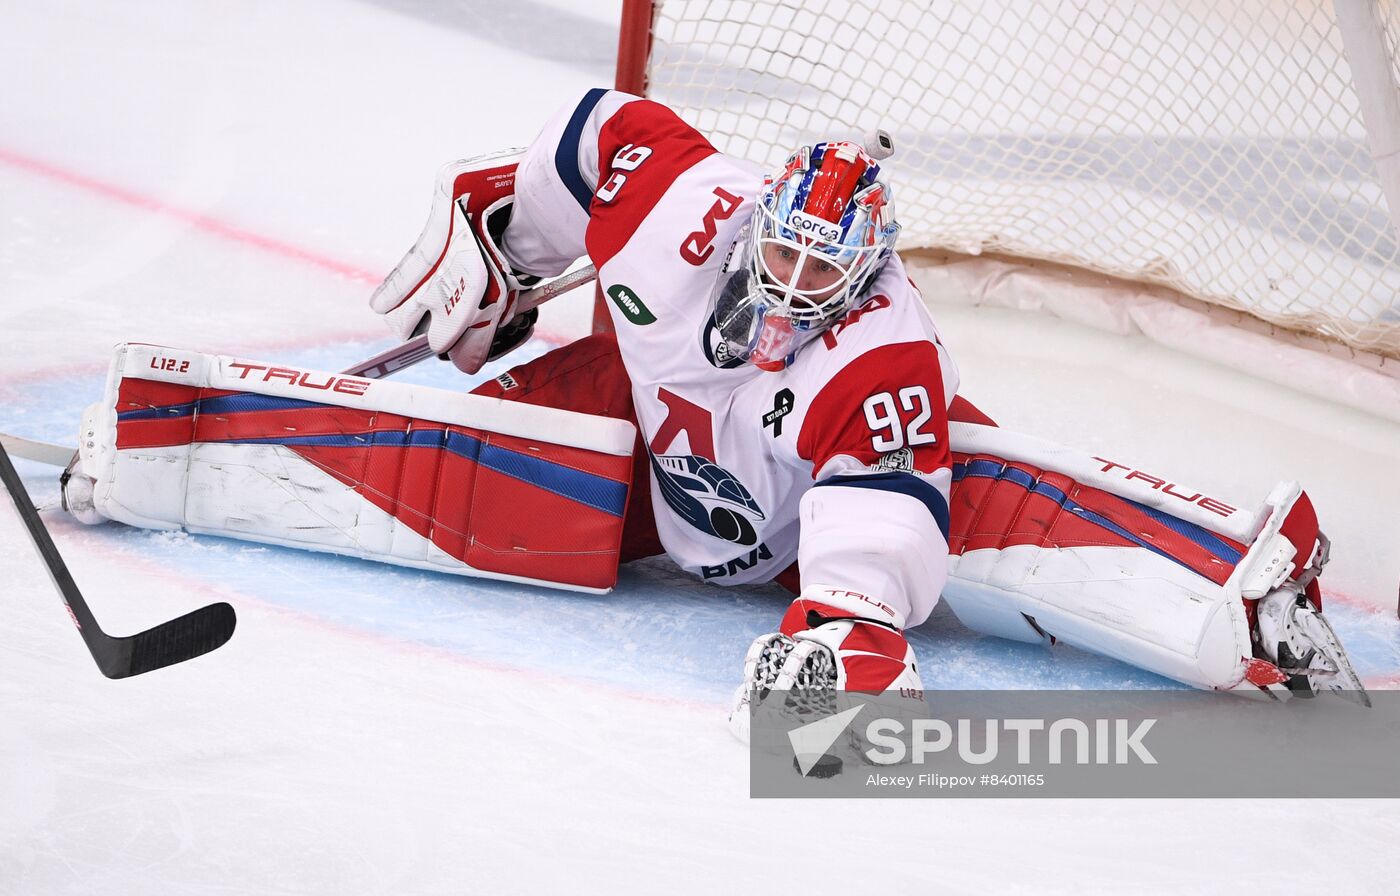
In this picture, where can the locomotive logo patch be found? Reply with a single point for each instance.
(708, 497)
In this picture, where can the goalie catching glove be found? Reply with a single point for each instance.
(455, 284)
(825, 645)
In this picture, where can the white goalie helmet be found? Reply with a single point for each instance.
(821, 229)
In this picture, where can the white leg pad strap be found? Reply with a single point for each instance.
(404, 474)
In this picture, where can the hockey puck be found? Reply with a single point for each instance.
(826, 767)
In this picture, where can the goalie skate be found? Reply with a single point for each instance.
(1300, 641)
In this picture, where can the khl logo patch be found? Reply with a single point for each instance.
(900, 460)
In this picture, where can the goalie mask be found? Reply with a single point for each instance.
(821, 230)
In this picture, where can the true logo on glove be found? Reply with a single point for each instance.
(840, 595)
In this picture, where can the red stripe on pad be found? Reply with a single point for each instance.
(157, 432)
(492, 521)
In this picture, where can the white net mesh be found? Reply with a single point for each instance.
(1214, 148)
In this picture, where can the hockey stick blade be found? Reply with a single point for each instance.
(191, 635)
(416, 349)
(171, 642)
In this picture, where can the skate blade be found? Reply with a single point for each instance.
(1342, 679)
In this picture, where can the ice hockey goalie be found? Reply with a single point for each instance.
(777, 404)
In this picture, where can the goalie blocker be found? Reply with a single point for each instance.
(405, 474)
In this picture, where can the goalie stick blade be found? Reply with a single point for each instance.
(39, 452)
(191, 635)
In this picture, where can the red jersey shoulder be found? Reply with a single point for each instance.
(884, 406)
(643, 148)
(645, 141)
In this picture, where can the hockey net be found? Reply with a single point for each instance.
(1219, 150)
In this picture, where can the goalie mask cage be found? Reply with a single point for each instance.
(1240, 154)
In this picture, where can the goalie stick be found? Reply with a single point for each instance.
(181, 639)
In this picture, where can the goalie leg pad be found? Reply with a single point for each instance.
(1049, 545)
(405, 474)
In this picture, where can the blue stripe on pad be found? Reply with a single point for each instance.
(238, 403)
(1203, 537)
(598, 492)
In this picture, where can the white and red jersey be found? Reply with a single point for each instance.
(841, 460)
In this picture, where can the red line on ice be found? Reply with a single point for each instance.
(194, 219)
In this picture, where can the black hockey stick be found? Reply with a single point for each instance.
(172, 642)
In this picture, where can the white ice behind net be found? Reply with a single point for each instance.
(1217, 149)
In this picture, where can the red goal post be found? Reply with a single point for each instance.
(1219, 176)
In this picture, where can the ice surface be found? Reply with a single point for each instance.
(234, 177)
